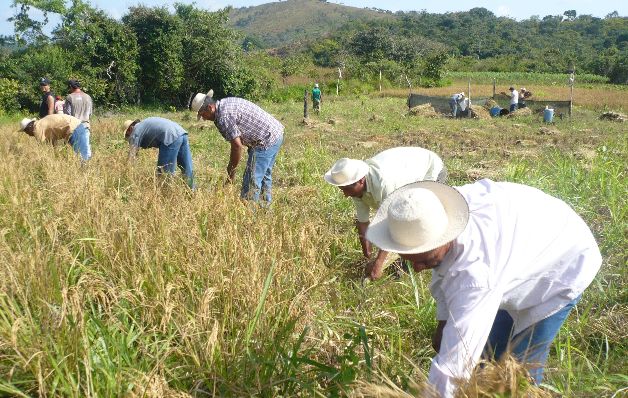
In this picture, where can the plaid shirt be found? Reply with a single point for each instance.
(237, 117)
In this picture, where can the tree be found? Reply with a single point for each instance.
(159, 36)
(214, 58)
(570, 15)
(104, 50)
(28, 30)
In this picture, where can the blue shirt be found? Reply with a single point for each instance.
(154, 131)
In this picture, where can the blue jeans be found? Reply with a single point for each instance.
(179, 152)
(258, 173)
(453, 106)
(513, 107)
(531, 345)
(80, 142)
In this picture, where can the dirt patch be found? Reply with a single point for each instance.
(614, 117)
(367, 144)
(375, 118)
(548, 131)
(317, 125)
(425, 110)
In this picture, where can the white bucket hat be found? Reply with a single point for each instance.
(25, 122)
(199, 100)
(346, 171)
(419, 217)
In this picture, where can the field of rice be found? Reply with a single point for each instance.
(114, 282)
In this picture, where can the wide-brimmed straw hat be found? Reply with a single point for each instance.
(419, 217)
(25, 122)
(127, 124)
(201, 99)
(346, 171)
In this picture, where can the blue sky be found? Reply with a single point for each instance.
(520, 9)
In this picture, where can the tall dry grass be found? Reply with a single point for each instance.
(114, 282)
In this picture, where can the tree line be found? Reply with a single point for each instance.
(477, 40)
(156, 56)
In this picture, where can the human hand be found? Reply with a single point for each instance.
(374, 269)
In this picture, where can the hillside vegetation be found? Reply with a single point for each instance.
(281, 23)
(475, 40)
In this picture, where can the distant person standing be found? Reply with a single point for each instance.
(523, 95)
(454, 103)
(59, 102)
(317, 97)
(47, 105)
(78, 104)
(514, 99)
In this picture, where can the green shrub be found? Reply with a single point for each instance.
(9, 89)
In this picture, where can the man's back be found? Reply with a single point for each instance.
(396, 167)
(316, 94)
(237, 117)
(79, 105)
(55, 127)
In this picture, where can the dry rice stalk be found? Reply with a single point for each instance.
(425, 110)
(506, 376)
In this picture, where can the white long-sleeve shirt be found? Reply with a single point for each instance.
(392, 169)
(522, 251)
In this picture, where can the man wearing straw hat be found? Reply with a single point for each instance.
(369, 182)
(169, 137)
(59, 127)
(243, 123)
(508, 263)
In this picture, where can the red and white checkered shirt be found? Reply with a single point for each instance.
(237, 117)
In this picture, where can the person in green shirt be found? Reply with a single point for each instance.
(316, 98)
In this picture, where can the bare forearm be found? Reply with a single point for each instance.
(234, 158)
(366, 245)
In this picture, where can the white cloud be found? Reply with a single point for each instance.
(502, 11)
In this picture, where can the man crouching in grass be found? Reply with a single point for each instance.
(58, 127)
(508, 263)
(169, 137)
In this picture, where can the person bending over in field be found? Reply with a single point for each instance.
(169, 137)
(508, 263)
(243, 123)
(58, 127)
(369, 182)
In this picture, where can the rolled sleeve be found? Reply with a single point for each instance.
(228, 128)
(362, 210)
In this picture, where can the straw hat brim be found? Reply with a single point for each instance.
(363, 169)
(456, 209)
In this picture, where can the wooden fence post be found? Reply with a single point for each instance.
(469, 98)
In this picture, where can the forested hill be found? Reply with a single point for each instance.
(476, 39)
(282, 23)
